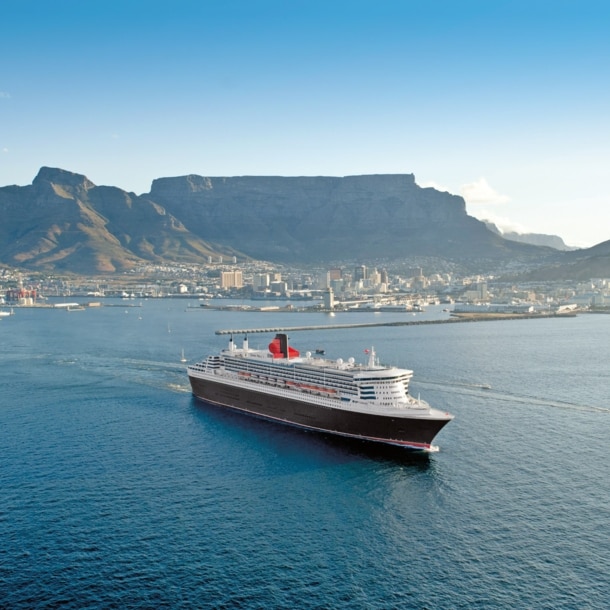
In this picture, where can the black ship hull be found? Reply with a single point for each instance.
(413, 433)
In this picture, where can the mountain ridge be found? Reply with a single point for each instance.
(321, 218)
(73, 225)
(536, 239)
(64, 222)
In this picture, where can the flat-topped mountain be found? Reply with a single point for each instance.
(306, 219)
(62, 221)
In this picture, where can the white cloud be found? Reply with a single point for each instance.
(4, 95)
(506, 225)
(480, 192)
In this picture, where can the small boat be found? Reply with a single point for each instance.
(320, 351)
(182, 358)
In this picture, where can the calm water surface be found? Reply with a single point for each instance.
(119, 490)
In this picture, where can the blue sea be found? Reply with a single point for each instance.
(119, 490)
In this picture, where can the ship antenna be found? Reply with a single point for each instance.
(372, 357)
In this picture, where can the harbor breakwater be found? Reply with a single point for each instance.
(453, 320)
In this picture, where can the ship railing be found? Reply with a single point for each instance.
(337, 400)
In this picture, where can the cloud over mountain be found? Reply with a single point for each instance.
(480, 192)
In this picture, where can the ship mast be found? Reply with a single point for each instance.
(372, 357)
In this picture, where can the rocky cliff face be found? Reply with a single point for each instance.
(63, 221)
(324, 218)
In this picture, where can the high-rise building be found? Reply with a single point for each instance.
(260, 281)
(231, 279)
(329, 299)
(374, 278)
(360, 273)
(324, 280)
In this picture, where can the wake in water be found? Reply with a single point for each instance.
(514, 397)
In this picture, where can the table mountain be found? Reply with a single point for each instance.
(63, 221)
(324, 218)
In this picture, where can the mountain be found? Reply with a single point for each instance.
(536, 239)
(62, 221)
(308, 219)
(580, 265)
(65, 222)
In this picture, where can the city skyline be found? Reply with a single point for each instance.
(502, 103)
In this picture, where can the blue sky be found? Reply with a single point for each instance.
(504, 102)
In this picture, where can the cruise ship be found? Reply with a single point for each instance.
(370, 402)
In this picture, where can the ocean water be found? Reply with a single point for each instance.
(119, 490)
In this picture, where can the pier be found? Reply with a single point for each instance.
(453, 320)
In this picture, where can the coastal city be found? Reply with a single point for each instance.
(258, 285)
(305, 305)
